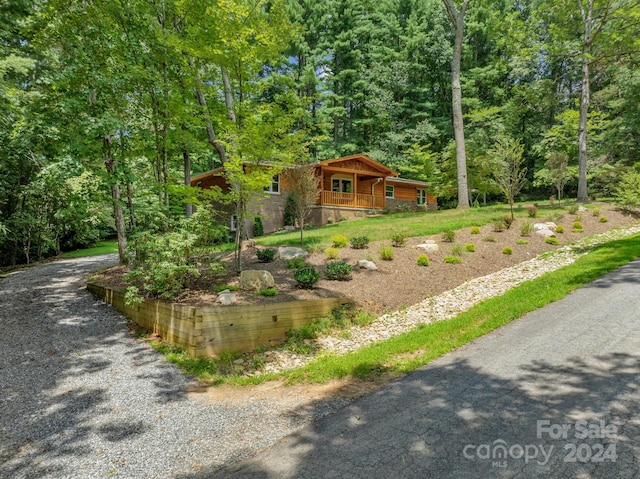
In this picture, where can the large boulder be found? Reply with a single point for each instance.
(291, 252)
(256, 280)
(547, 229)
(428, 245)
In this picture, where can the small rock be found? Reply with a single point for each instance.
(256, 280)
(366, 264)
(428, 246)
(226, 298)
(291, 252)
(239, 361)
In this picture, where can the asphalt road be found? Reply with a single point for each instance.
(555, 394)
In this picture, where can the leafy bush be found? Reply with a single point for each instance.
(532, 211)
(258, 227)
(268, 292)
(386, 253)
(551, 240)
(489, 239)
(595, 212)
(603, 219)
(448, 236)
(218, 288)
(296, 263)
(560, 229)
(573, 209)
(525, 228)
(453, 259)
(266, 255)
(628, 190)
(398, 240)
(332, 253)
(339, 241)
(522, 241)
(457, 250)
(475, 230)
(359, 242)
(338, 271)
(577, 227)
(306, 278)
(343, 218)
(498, 225)
(423, 260)
(470, 247)
(507, 250)
(507, 220)
(555, 217)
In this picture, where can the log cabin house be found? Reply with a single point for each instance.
(350, 187)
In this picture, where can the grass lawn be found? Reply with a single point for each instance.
(104, 247)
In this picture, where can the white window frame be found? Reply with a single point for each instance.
(421, 196)
(233, 223)
(342, 180)
(274, 187)
(386, 191)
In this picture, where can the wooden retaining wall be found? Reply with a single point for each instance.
(213, 330)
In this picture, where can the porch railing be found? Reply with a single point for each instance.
(351, 200)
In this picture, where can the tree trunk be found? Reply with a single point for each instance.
(457, 21)
(584, 108)
(188, 207)
(228, 95)
(109, 164)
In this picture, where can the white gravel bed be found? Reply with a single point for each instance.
(81, 398)
(447, 304)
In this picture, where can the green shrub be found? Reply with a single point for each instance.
(290, 211)
(475, 230)
(448, 236)
(603, 219)
(218, 288)
(266, 255)
(498, 225)
(339, 241)
(332, 253)
(595, 212)
(525, 228)
(507, 220)
(577, 227)
(338, 271)
(398, 240)
(532, 211)
(555, 217)
(268, 292)
(423, 260)
(359, 242)
(258, 227)
(507, 250)
(343, 218)
(560, 229)
(297, 263)
(386, 253)
(330, 220)
(306, 278)
(470, 247)
(453, 259)
(489, 239)
(573, 209)
(457, 250)
(522, 241)
(551, 240)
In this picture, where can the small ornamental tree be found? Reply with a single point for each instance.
(303, 184)
(509, 173)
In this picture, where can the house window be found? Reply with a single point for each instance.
(233, 224)
(342, 185)
(274, 187)
(389, 191)
(199, 184)
(422, 197)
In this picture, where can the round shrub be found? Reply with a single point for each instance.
(596, 212)
(498, 225)
(386, 253)
(489, 239)
(573, 209)
(475, 230)
(551, 240)
(532, 211)
(339, 241)
(470, 247)
(306, 278)
(559, 229)
(398, 240)
(448, 236)
(603, 219)
(525, 228)
(507, 250)
(266, 255)
(453, 259)
(522, 241)
(332, 253)
(423, 260)
(297, 263)
(577, 226)
(359, 242)
(338, 271)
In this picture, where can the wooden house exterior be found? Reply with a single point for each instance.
(351, 186)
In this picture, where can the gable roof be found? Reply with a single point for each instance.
(346, 160)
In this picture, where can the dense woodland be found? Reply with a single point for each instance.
(107, 108)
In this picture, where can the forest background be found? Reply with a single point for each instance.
(107, 108)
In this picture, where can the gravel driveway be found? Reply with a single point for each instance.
(81, 398)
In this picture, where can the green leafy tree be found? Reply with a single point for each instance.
(509, 173)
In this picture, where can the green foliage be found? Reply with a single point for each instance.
(297, 263)
(398, 240)
(490, 239)
(522, 241)
(386, 252)
(258, 227)
(595, 212)
(306, 278)
(470, 247)
(338, 271)
(555, 217)
(573, 209)
(359, 242)
(628, 190)
(551, 240)
(498, 225)
(332, 253)
(532, 211)
(577, 226)
(266, 255)
(507, 220)
(457, 250)
(219, 288)
(507, 250)
(453, 259)
(526, 227)
(603, 219)
(475, 230)
(423, 260)
(509, 173)
(289, 215)
(268, 292)
(448, 236)
(339, 241)
(559, 229)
